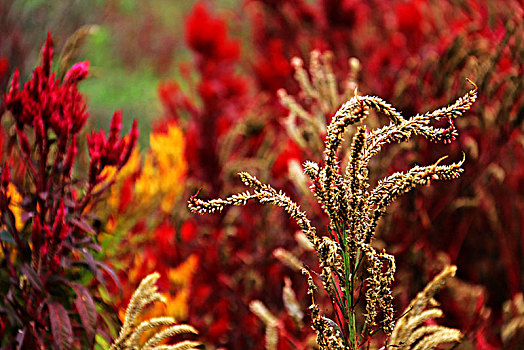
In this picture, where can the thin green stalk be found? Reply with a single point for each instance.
(349, 279)
(338, 298)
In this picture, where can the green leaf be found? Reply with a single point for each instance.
(7, 237)
(9, 220)
(101, 342)
(60, 326)
(102, 290)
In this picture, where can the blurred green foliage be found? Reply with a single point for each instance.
(125, 52)
(112, 86)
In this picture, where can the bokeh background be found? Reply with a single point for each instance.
(201, 78)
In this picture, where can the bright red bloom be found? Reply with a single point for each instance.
(289, 153)
(209, 36)
(164, 239)
(110, 151)
(78, 71)
(408, 16)
(45, 100)
(273, 69)
(341, 13)
(4, 66)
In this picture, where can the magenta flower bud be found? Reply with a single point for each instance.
(12, 99)
(64, 232)
(79, 71)
(44, 250)
(15, 84)
(115, 127)
(6, 176)
(55, 262)
(36, 236)
(59, 220)
(133, 138)
(47, 55)
(96, 142)
(39, 129)
(70, 157)
(24, 142)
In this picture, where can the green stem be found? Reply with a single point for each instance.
(349, 278)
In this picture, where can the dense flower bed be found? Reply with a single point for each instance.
(258, 101)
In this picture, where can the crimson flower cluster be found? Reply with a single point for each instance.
(50, 240)
(111, 150)
(222, 91)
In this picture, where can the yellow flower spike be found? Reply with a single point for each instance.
(182, 274)
(177, 306)
(167, 151)
(16, 201)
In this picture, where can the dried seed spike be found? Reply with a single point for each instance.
(331, 82)
(410, 327)
(311, 169)
(270, 321)
(144, 294)
(383, 107)
(264, 194)
(259, 309)
(311, 285)
(146, 325)
(72, 48)
(288, 258)
(294, 107)
(461, 105)
(167, 333)
(350, 83)
(271, 338)
(397, 184)
(447, 335)
(291, 303)
(358, 217)
(250, 180)
(129, 336)
(302, 78)
(354, 167)
(184, 345)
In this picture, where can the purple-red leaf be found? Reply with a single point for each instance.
(111, 273)
(60, 326)
(32, 277)
(83, 225)
(86, 310)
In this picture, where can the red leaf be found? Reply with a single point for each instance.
(60, 326)
(86, 309)
(32, 277)
(83, 225)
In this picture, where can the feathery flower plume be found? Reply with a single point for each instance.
(354, 210)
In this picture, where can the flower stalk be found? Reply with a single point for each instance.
(354, 212)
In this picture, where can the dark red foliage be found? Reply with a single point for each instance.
(273, 71)
(222, 91)
(235, 265)
(416, 54)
